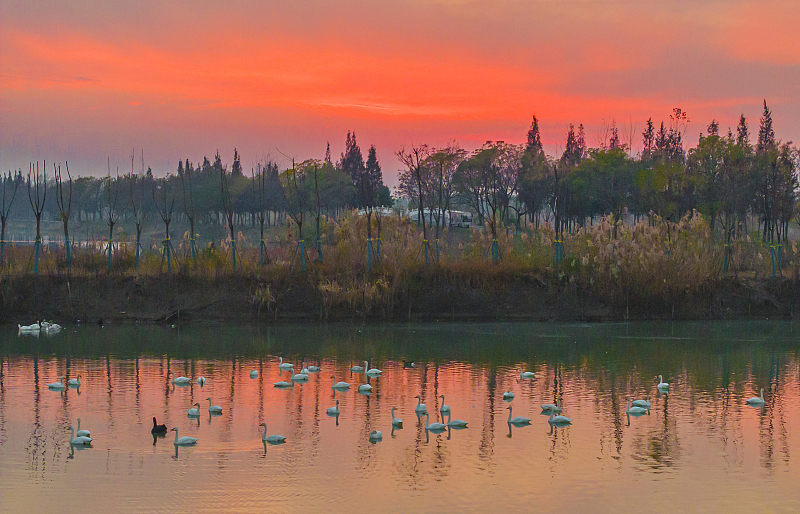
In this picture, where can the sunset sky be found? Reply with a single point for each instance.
(83, 80)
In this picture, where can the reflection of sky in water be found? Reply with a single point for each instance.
(700, 447)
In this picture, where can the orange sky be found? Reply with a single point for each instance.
(81, 80)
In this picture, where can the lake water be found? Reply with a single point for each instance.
(701, 448)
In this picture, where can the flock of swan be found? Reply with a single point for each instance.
(635, 407)
(45, 327)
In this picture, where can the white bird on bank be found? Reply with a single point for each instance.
(756, 400)
(183, 441)
(272, 439)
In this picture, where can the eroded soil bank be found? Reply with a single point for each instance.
(426, 296)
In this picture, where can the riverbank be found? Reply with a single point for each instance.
(425, 296)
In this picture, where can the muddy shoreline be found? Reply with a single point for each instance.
(172, 299)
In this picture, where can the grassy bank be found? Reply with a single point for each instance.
(608, 271)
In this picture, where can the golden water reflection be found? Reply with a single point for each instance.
(700, 447)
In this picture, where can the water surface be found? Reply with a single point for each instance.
(701, 448)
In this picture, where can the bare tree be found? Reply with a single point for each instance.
(137, 205)
(165, 209)
(65, 208)
(226, 206)
(188, 202)
(37, 195)
(414, 160)
(112, 212)
(6, 209)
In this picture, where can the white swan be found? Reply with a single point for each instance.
(183, 441)
(756, 400)
(527, 374)
(213, 408)
(517, 420)
(435, 426)
(549, 407)
(558, 420)
(376, 435)
(178, 380)
(662, 386)
(194, 411)
(456, 423)
(303, 368)
(364, 388)
(444, 409)
(76, 382)
(635, 411)
(357, 369)
(82, 433)
(283, 383)
(334, 411)
(57, 385)
(300, 377)
(508, 395)
(373, 372)
(284, 365)
(50, 328)
(272, 439)
(396, 422)
(29, 329)
(420, 406)
(79, 440)
(254, 373)
(642, 403)
(313, 369)
(201, 381)
(340, 385)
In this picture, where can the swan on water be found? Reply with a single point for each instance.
(662, 386)
(254, 373)
(549, 407)
(78, 440)
(756, 400)
(201, 381)
(373, 372)
(435, 426)
(303, 368)
(300, 377)
(313, 369)
(340, 385)
(183, 441)
(57, 385)
(527, 374)
(29, 329)
(444, 408)
(517, 420)
(283, 383)
(82, 433)
(50, 328)
(642, 403)
(334, 411)
(194, 411)
(76, 382)
(357, 369)
(455, 423)
(375, 435)
(364, 388)
(558, 420)
(508, 395)
(634, 410)
(396, 422)
(420, 406)
(272, 439)
(179, 380)
(284, 365)
(213, 408)
(158, 429)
